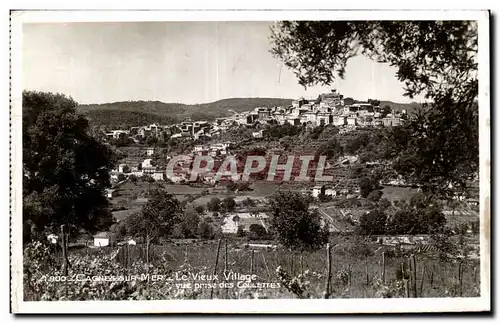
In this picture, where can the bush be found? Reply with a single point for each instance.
(205, 230)
(214, 204)
(294, 224)
(241, 232)
(228, 204)
(256, 232)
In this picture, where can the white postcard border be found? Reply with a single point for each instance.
(482, 303)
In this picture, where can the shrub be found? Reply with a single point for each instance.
(294, 224)
(257, 231)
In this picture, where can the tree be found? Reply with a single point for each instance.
(330, 149)
(384, 203)
(214, 204)
(65, 168)
(162, 211)
(422, 214)
(373, 222)
(241, 231)
(375, 195)
(366, 186)
(374, 102)
(121, 177)
(205, 230)
(200, 209)
(189, 223)
(119, 229)
(257, 231)
(385, 111)
(228, 204)
(437, 59)
(294, 224)
(133, 178)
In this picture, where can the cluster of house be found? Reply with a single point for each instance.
(328, 108)
(186, 129)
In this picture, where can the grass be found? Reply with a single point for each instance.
(439, 280)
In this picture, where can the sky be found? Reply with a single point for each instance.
(184, 62)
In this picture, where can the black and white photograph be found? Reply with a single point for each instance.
(296, 162)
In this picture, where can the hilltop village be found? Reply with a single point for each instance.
(216, 138)
(328, 109)
(341, 129)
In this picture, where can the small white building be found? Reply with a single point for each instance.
(102, 239)
(257, 134)
(121, 168)
(158, 175)
(147, 163)
(150, 151)
(52, 238)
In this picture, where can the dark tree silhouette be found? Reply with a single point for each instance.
(65, 169)
(437, 59)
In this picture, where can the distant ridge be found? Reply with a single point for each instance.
(133, 113)
(137, 113)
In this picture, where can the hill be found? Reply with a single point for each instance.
(137, 113)
(132, 113)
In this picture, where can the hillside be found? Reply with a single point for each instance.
(136, 113)
(409, 107)
(132, 113)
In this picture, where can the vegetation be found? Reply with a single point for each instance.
(158, 217)
(228, 204)
(303, 274)
(421, 215)
(436, 147)
(295, 225)
(65, 169)
(214, 205)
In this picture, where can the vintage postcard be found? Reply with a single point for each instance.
(250, 161)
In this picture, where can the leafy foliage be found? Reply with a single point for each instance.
(439, 146)
(295, 225)
(65, 169)
(158, 217)
(280, 131)
(228, 204)
(214, 205)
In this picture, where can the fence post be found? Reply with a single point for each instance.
(147, 249)
(128, 255)
(383, 267)
(225, 267)
(414, 275)
(251, 262)
(265, 264)
(422, 281)
(366, 271)
(405, 280)
(460, 274)
(301, 264)
(329, 269)
(215, 268)
(64, 250)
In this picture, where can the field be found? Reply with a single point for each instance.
(356, 272)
